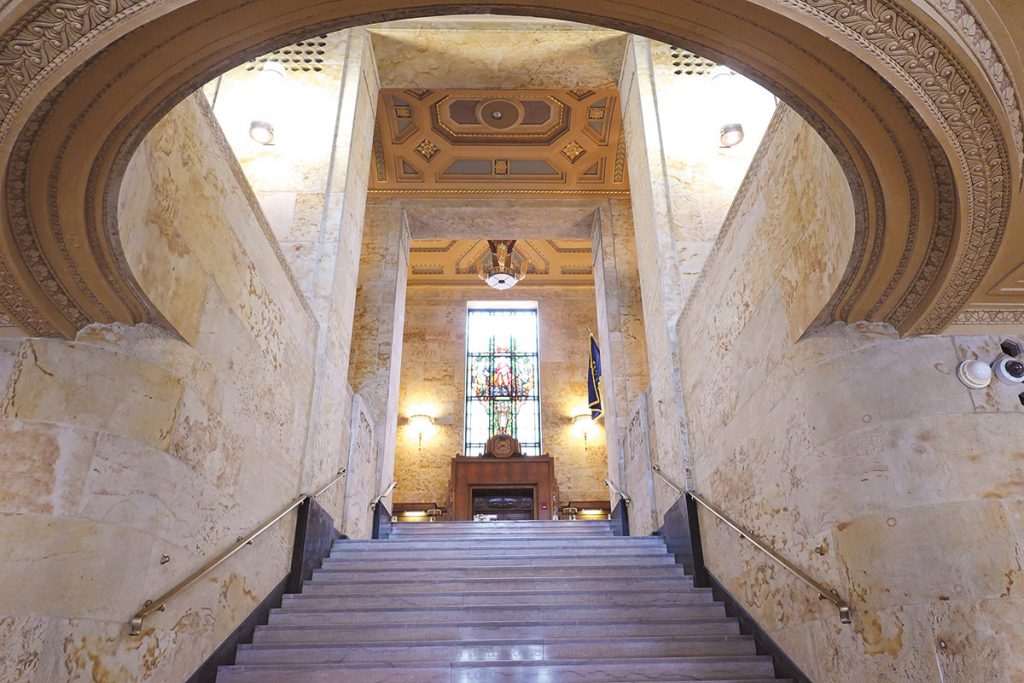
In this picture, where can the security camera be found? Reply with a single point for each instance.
(1008, 370)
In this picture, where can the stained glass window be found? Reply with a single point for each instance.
(502, 375)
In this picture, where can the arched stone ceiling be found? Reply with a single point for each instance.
(917, 115)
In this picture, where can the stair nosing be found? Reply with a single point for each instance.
(499, 642)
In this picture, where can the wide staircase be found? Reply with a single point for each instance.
(500, 601)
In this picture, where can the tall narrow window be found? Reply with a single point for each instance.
(502, 374)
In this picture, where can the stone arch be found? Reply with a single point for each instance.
(930, 146)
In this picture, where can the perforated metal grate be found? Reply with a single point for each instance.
(688, 64)
(305, 55)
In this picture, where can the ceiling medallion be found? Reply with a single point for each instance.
(501, 267)
(427, 149)
(573, 151)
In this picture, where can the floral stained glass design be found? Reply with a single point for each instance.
(502, 378)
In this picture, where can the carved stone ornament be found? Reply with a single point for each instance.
(81, 81)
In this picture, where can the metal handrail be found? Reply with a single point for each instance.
(622, 494)
(160, 603)
(824, 593)
(376, 501)
(657, 470)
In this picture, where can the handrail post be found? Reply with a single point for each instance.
(622, 494)
(384, 494)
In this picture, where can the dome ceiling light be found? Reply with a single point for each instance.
(501, 267)
(271, 77)
(728, 100)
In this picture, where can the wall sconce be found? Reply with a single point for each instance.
(584, 426)
(422, 425)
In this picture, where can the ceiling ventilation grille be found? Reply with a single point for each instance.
(689, 64)
(305, 55)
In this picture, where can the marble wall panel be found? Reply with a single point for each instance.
(433, 382)
(361, 480)
(376, 357)
(620, 325)
(131, 443)
(637, 478)
(659, 269)
(856, 454)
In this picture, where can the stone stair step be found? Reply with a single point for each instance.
(500, 550)
(511, 527)
(295, 615)
(683, 596)
(559, 560)
(524, 528)
(339, 584)
(489, 630)
(499, 538)
(507, 525)
(623, 572)
(395, 544)
(495, 650)
(749, 668)
(609, 670)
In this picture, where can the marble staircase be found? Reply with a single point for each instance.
(483, 602)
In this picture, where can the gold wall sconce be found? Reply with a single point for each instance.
(421, 426)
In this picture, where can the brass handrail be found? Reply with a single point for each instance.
(160, 603)
(824, 593)
(376, 501)
(622, 494)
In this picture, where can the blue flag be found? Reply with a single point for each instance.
(594, 380)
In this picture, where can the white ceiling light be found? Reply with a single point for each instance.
(731, 134)
(974, 374)
(262, 132)
(727, 100)
(269, 82)
(501, 267)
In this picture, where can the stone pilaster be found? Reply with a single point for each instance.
(658, 266)
(375, 367)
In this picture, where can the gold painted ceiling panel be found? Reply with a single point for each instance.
(438, 142)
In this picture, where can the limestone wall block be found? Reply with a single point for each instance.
(92, 387)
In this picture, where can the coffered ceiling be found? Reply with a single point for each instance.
(438, 142)
(456, 262)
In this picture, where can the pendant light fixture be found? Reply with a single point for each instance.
(501, 267)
